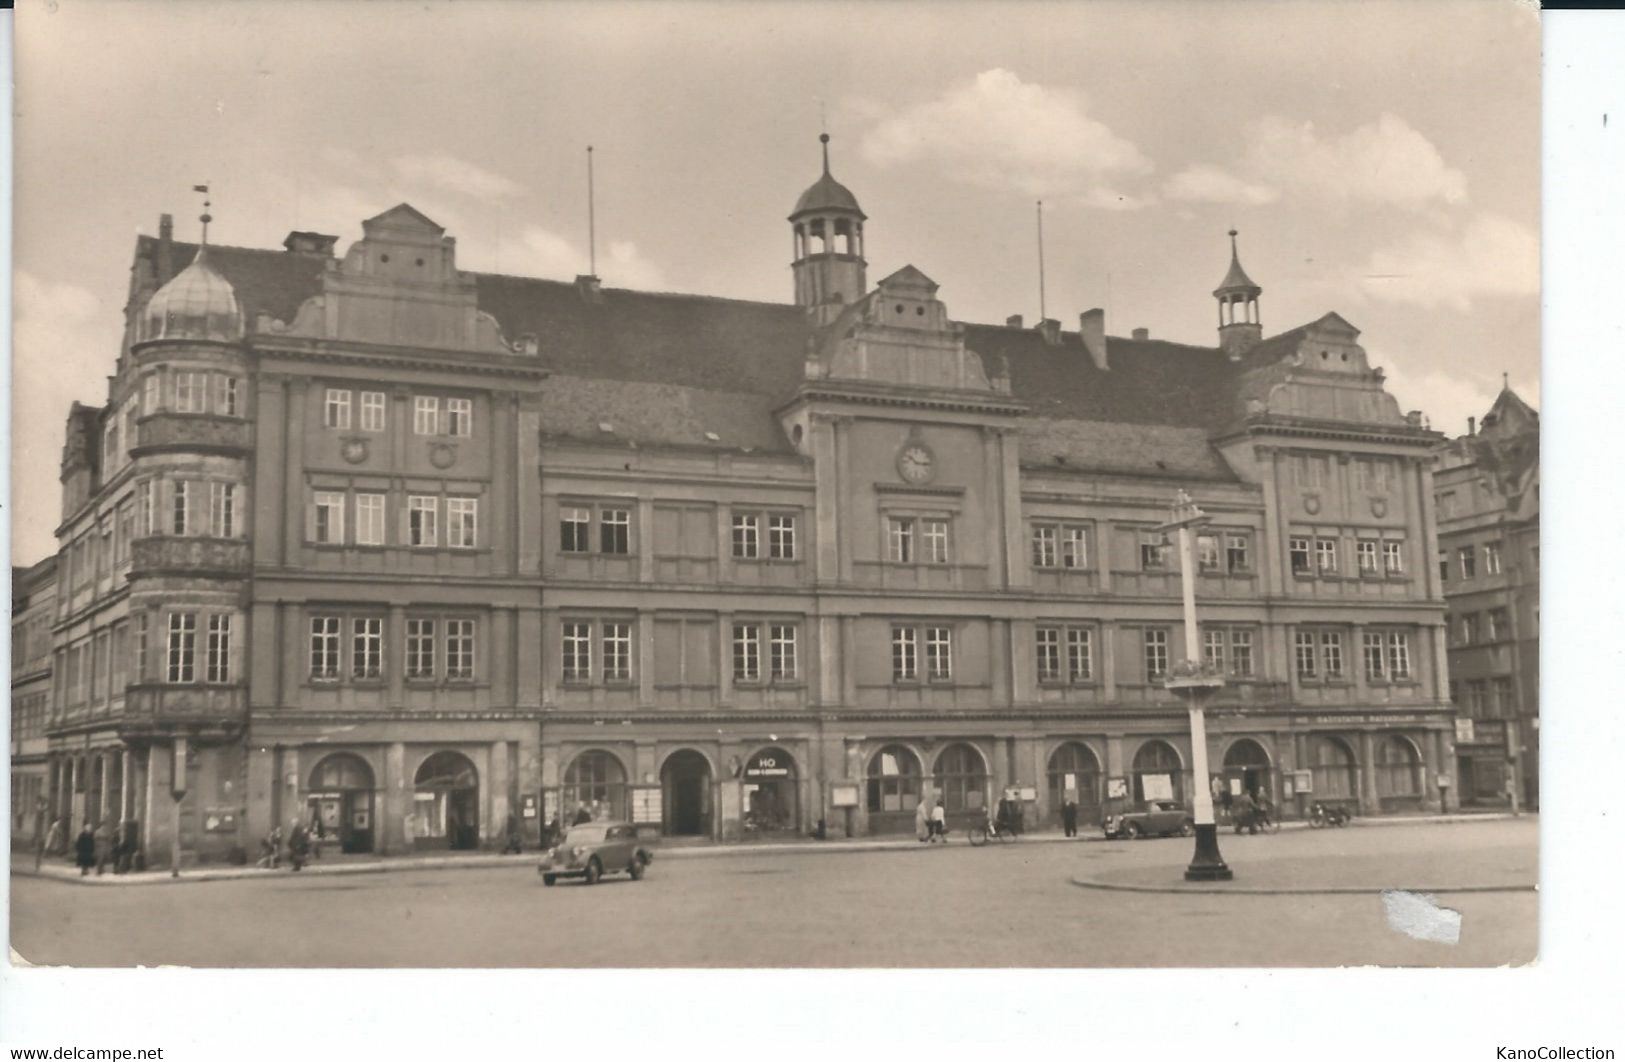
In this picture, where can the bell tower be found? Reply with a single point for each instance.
(1238, 332)
(828, 264)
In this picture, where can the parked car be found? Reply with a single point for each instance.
(593, 849)
(1153, 818)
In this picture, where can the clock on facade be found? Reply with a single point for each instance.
(916, 463)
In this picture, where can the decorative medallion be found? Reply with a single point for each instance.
(1379, 507)
(1311, 504)
(354, 450)
(915, 462)
(442, 455)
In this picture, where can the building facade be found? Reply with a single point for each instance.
(33, 592)
(401, 550)
(1488, 484)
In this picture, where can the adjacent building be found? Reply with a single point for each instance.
(400, 550)
(33, 612)
(1488, 484)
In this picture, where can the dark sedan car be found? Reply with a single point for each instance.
(593, 849)
(1155, 818)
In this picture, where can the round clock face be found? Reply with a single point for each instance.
(916, 464)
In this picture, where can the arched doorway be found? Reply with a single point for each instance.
(960, 780)
(339, 804)
(769, 793)
(685, 779)
(594, 779)
(1074, 772)
(446, 802)
(1332, 769)
(1247, 770)
(1399, 771)
(894, 790)
(1158, 773)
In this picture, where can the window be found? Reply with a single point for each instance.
(575, 529)
(139, 648)
(577, 652)
(191, 392)
(781, 537)
(150, 391)
(324, 647)
(1365, 551)
(226, 390)
(460, 648)
(1476, 700)
(126, 531)
(1465, 556)
(367, 647)
(1506, 705)
(369, 519)
(1399, 656)
(1047, 647)
(900, 540)
(1044, 546)
(223, 510)
(329, 525)
(1080, 654)
(1156, 654)
(1207, 553)
(1298, 550)
(905, 664)
(939, 654)
(1304, 654)
(1074, 546)
(217, 665)
(1492, 558)
(179, 521)
(784, 658)
(1498, 627)
(747, 537)
(337, 409)
(1238, 553)
(1153, 552)
(461, 516)
(425, 415)
(1374, 668)
(1331, 653)
(420, 525)
(617, 652)
(420, 648)
(747, 653)
(1469, 628)
(1241, 653)
(615, 531)
(182, 647)
(1326, 555)
(372, 411)
(1393, 558)
(460, 416)
(934, 539)
(1213, 645)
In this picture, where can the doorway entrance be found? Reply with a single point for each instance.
(446, 803)
(686, 781)
(1246, 770)
(769, 790)
(338, 807)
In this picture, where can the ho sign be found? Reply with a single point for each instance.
(767, 765)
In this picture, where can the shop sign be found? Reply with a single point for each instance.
(843, 796)
(1464, 731)
(1304, 781)
(764, 765)
(1361, 719)
(220, 820)
(1117, 788)
(1029, 793)
(647, 805)
(528, 806)
(1157, 786)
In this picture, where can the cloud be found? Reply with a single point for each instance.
(1386, 161)
(1447, 398)
(449, 174)
(544, 253)
(1492, 256)
(1205, 183)
(997, 131)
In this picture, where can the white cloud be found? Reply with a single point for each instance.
(1386, 161)
(449, 174)
(998, 131)
(1492, 256)
(544, 253)
(1447, 398)
(1205, 183)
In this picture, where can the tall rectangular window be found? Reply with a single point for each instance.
(372, 411)
(1047, 650)
(1393, 558)
(1465, 555)
(1213, 644)
(149, 506)
(138, 648)
(905, 660)
(1155, 640)
(615, 531)
(1241, 653)
(617, 652)
(1326, 555)
(191, 392)
(747, 536)
(182, 647)
(369, 519)
(1303, 654)
(460, 649)
(1331, 653)
(329, 523)
(223, 510)
(1298, 552)
(324, 647)
(228, 401)
(367, 647)
(1399, 656)
(460, 416)
(461, 519)
(939, 653)
(1079, 654)
(217, 665)
(420, 636)
(1444, 566)
(576, 643)
(1492, 558)
(425, 415)
(1074, 547)
(149, 393)
(934, 540)
(781, 537)
(1153, 552)
(1365, 551)
(420, 520)
(747, 653)
(1373, 656)
(1506, 699)
(337, 408)
(1207, 553)
(1044, 546)
(575, 529)
(900, 540)
(1238, 553)
(1499, 628)
(180, 522)
(783, 657)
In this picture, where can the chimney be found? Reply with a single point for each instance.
(1472, 425)
(1050, 329)
(1142, 334)
(590, 289)
(1013, 321)
(166, 254)
(1092, 330)
(310, 243)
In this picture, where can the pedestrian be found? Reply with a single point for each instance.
(582, 814)
(939, 822)
(85, 849)
(512, 832)
(57, 837)
(271, 848)
(298, 844)
(922, 821)
(409, 829)
(1069, 817)
(552, 833)
(104, 845)
(318, 833)
(599, 812)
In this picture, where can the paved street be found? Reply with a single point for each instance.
(1014, 905)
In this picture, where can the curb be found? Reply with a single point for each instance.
(1321, 890)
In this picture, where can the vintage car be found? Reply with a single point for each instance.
(593, 849)
(1153, 818)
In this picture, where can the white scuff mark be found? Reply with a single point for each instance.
(1420, 917)
(17, 960)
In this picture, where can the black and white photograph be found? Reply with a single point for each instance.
(775, 486)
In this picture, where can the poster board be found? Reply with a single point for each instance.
(1157, 786)
(1117, 788)
(1304, 781)
(648, 805)
(843, 796)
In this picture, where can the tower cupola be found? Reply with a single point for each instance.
(197, 303)
(828, 263)
(1239, 326)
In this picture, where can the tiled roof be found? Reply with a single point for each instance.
(270, 282)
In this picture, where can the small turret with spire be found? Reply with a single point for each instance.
(827, 224)
(1238, 332)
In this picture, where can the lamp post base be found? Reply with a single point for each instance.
(1207, 864)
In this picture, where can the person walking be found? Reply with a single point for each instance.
(922, 822)
(85, 849)
(582, 814)
(298, 844)
(511, 832)
(56, 838)
(1069, 817)
(104, 846)
(939, 823)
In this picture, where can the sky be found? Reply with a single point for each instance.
(1378, 160)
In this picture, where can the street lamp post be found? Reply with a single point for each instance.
(1194, 682)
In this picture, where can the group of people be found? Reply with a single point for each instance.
(300, 846)
(98, 845)
(931, 823)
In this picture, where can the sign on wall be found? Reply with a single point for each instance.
(1117, 788)
(843, 796)
(529, 806)
(647, 805)
(1157, 786)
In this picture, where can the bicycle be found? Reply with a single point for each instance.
(984, 832)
